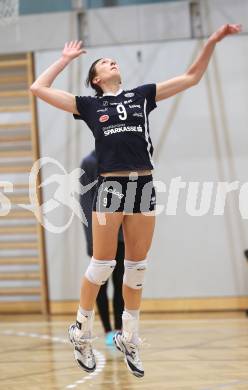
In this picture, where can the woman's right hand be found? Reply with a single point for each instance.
(42, 86)
(72, 50)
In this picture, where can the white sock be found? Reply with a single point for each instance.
(84, 322)
(130, 320)
(134, 313)
(87, 313)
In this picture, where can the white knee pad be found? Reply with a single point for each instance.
(99, 271)
(134, 274)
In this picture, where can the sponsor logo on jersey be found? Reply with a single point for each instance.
(122, 129)
(138, 114)
(128, 101)
(114, 104)
(134, 106)
(104, 118)
(102, 110)
(114, 192)
(111, 126)
(105, 103)
(129, 94)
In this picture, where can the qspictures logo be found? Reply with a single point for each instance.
(67, 192)
(199, 199)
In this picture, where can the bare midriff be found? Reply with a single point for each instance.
(142, 172)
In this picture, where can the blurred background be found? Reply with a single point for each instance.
(196, 263)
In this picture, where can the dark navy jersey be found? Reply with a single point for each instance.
(120, 126)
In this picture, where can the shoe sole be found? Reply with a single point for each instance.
(79, 363)
(82, 366)
(118, 346)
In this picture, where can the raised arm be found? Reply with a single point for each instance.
(42, 85)
(195, 72)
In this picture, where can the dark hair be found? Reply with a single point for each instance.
(91, 76)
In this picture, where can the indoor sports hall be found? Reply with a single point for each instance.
(123, 238)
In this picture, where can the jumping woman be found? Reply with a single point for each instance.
(118, 119)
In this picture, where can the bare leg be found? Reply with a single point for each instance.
(88, 294)
(138, 232)
(132, 298)
(105, 247)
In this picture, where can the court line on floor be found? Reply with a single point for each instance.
(101, 361)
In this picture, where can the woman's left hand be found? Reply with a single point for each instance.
(225, 30)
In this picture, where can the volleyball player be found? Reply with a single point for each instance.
(118, 120)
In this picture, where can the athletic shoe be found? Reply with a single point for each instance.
(109, 338)
(80, 337)
(131, 354)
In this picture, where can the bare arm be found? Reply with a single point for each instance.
(42, 85)
(195, 72)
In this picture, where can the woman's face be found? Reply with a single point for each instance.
(107, 69)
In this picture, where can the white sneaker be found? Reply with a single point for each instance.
(131, 354)
(80, 337)
(130, 350)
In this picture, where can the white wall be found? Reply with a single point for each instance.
(38, 32)
(129, 24)
(146, 23)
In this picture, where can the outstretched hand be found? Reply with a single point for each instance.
(73, 50)
(225, 30)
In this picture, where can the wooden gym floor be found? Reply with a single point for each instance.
(184, 352)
